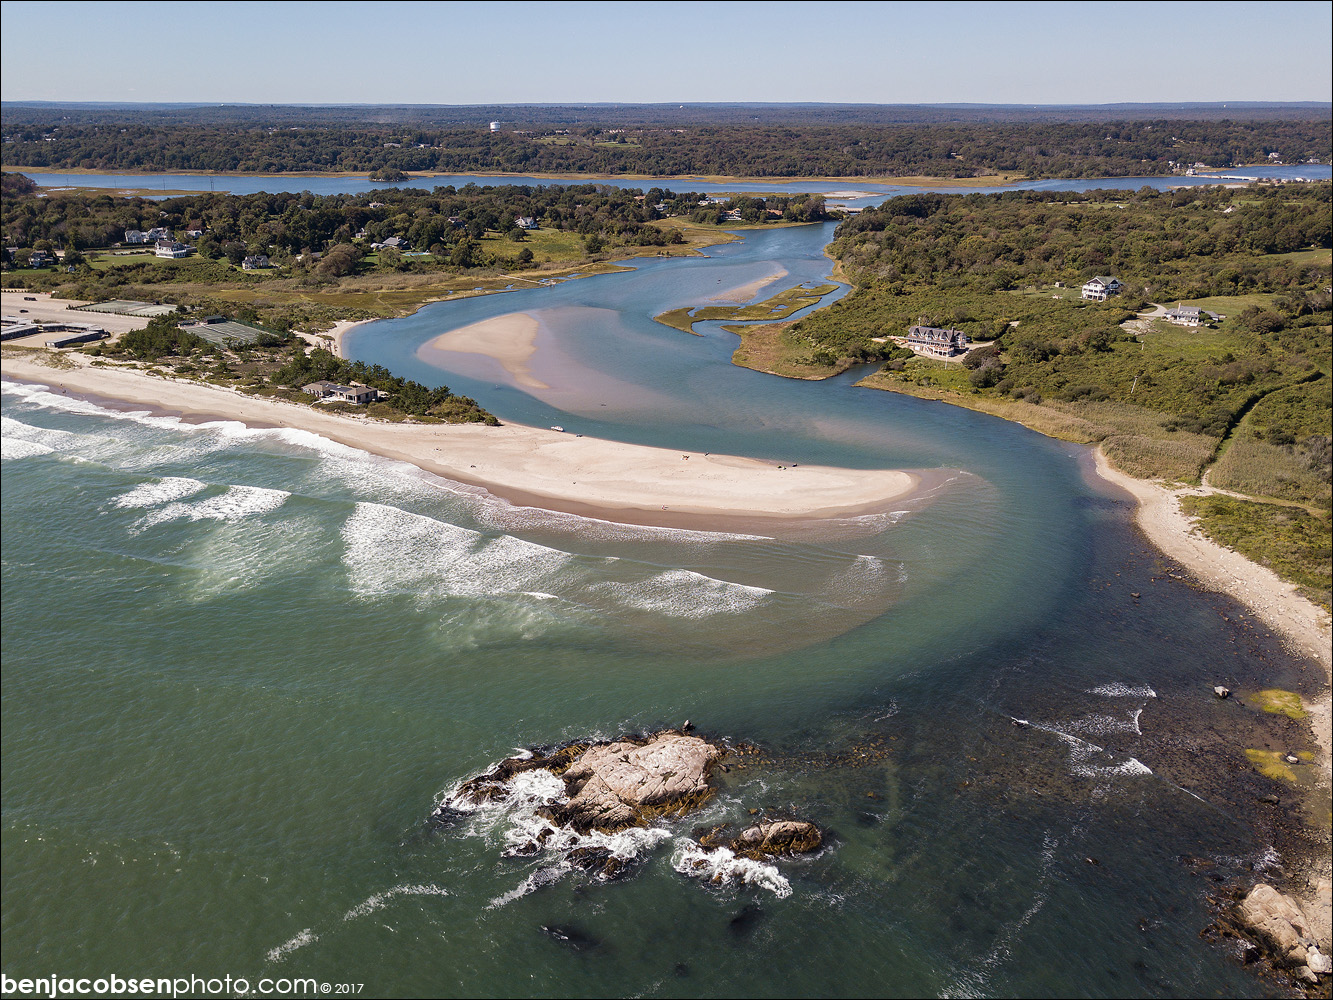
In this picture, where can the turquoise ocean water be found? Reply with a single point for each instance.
(242, 667)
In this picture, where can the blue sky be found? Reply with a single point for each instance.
(481, 53)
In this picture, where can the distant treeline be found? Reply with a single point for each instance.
(944, 149)
(446, 221)
(674, 115)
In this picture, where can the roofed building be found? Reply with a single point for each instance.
(1100, 288)
(936, 342)
(1192, 316)
(172, 248)
(324, 389)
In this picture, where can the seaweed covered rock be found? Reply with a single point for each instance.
(777, 837)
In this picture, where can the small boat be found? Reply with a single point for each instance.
(557, 427)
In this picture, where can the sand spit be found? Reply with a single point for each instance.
(527, 465)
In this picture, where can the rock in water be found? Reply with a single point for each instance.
(610, 786)
(1222, 692)
(1279, 923)
(620, 784)
(778, 837)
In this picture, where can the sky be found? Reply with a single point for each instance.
(646, 52)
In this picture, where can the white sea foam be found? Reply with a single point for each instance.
(514, 820)
(683, 593)
(15, 448)
(389, 550)
(238, 502)
(1118, 690)
(162, 491)
(721, 866)
(1102, 724)
(1087, 760)
(382, 899)
(302, 939)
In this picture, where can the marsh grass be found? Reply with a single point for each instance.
(1288, 540)
(775, 307)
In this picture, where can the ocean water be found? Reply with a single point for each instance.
(242, 668)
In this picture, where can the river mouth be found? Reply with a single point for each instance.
(250, 663)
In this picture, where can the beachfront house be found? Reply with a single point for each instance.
(1101, 288)
(936, 342)
(172, 248)
(255, 261)
(324, 389)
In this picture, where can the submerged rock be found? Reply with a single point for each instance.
(777, 837)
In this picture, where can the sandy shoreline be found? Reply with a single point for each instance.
(1270, 597)
(509, 339)
(528, 465)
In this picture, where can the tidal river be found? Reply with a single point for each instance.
(243, 666)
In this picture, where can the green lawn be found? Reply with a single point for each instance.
(546, 245)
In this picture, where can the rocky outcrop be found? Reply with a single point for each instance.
(611, 786)
(625, 783)
(778, 837)
(1285, 931)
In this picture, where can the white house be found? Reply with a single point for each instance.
(170, 248)
(1192, 316)
(1100, 288)
(525, 222)
(255, 261)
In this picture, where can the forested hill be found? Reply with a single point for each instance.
(282, 139)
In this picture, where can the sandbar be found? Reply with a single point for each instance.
(509, 339)
(526, 465)
(747, 291)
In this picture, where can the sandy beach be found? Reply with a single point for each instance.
(332, 338)
(528, 465)
(509, 339)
